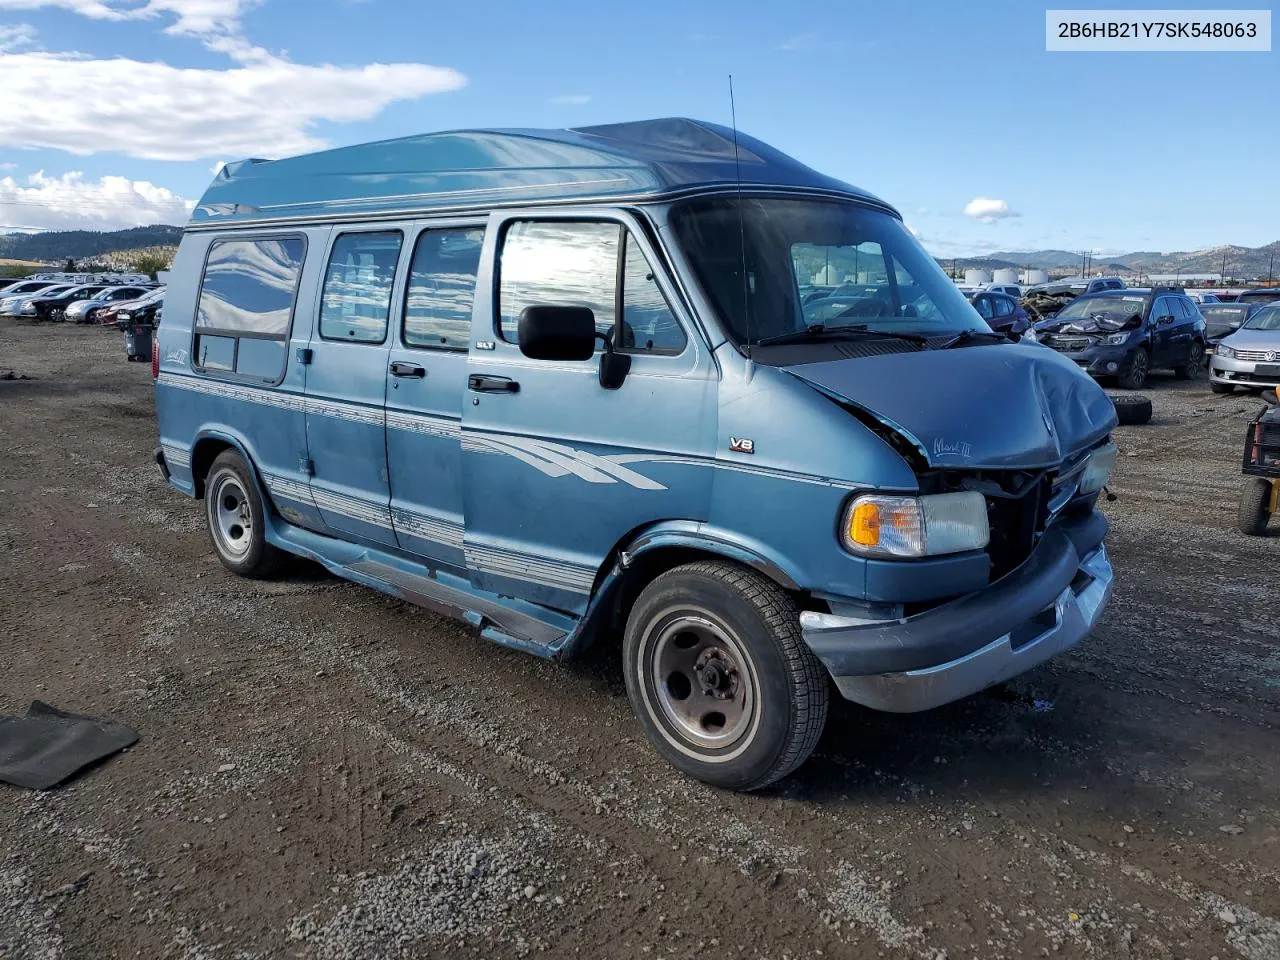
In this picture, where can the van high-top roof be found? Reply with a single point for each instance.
(480, 169)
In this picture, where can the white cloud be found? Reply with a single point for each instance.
(161, 112)
(217, 167)
(71, 202)
(264, 106)
(16, 36)
(988, 209)
(571, 99)
(8, 166)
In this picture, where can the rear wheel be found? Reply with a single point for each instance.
(1193, 366)
(236, 519)
(1255, 506)
(720, 677)
(1136, 375)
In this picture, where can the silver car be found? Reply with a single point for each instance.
(1250, 357)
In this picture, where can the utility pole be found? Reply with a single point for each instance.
(1271, 267)
(1224, 268)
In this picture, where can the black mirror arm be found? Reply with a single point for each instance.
(614, 366)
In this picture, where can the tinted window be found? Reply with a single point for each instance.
(563, 264)
(442, 286)
(1003, 305)
(356, 301)
(1163, 308)
(983, 306)
(648, 326)
(249, 286)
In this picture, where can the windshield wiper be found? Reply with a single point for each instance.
(968, 336)
(857, 330)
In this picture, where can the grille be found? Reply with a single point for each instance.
(1266, 356)
(1069, 344)
(1016, 523)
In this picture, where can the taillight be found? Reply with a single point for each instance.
(155, 357)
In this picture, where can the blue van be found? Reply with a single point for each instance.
(581, 385)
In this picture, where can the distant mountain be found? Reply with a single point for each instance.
(1244, 263)
(63, 245)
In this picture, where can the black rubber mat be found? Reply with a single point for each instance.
(48, 746)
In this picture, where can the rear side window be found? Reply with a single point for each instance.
(442, 287)
(356, 301)
(247, 293)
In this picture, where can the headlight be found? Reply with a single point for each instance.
(884, 526)
(1098, 470)
(1115, 339)
(1223, 350)
(1031, 335)
(28, 308)
(124, 316)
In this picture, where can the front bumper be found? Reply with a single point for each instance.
(1242, 373)
(1047, 605)
(1101, 360)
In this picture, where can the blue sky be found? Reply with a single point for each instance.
(117, 110)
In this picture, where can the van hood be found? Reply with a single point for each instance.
(1014, 406)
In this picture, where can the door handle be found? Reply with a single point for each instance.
(486, 384)
(399, 369)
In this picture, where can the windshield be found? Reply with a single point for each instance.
(1259, 296)
(1224, 312)
(1268, 318)
(813, 262)
(1101, 306)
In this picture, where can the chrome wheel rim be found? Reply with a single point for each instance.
(702, 681)
(230, 516)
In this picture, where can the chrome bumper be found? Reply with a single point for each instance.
(1074, 613)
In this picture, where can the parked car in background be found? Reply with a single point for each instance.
(1250, 356)
(1123, 334)
(1002, 312)
(85, 311)
(12, 306)
(11, 298)
(1202, 298)
(1221, 319)
(143, 310)
(1045, 300)
(110, 314)
(6, 282)
(49, 306)
(1259, 295)
(1008, 289)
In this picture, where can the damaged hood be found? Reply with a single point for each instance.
(1104, 321)
(993, 407)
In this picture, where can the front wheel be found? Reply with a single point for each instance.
(1136, 375)
(1193, 365)
(237, 522)
(720, 677)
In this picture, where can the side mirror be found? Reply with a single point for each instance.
(1163, 321)
(557, 333)
(569, 333)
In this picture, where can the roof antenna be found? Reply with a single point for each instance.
(742, 232)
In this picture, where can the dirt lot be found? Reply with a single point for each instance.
(327, 772)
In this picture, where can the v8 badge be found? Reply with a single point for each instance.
(741, 445)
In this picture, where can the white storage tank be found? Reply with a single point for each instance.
(1032, 277)
(973, 277)
(1005, 275)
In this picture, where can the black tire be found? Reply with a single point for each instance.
(1221, 387)
(236, 519)
(1136, 375)
(1194, 364)
(1132, 409)
(765, 681)
(1255, 503)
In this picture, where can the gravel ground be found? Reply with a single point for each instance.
(327, 772)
